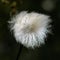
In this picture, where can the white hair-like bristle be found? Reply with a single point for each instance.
(30, 29)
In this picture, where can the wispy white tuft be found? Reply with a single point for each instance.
(30, 29)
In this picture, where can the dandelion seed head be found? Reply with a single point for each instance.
(30, 29)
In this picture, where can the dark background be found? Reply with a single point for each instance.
(9, 48)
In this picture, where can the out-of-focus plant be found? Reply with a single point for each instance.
(5, 1)
(10, 7)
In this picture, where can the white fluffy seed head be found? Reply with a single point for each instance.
(30, 29)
